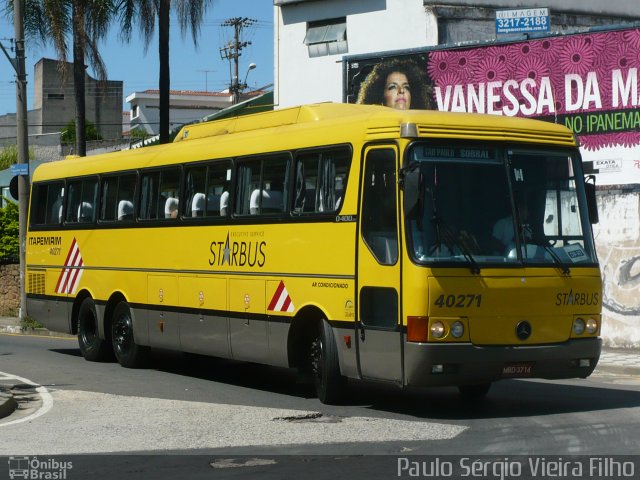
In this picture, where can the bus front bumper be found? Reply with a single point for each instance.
(468, 364)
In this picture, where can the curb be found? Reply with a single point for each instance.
(18, 330)
(7, 403)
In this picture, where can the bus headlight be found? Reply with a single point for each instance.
(437, 329)
(591, 326)
(457, 329)
(578, 326)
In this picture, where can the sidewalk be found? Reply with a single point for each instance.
(612, 361)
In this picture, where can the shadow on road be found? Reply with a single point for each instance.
(507, 398)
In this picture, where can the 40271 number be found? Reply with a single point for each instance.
(459, 301)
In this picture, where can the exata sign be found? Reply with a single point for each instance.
(588, 82)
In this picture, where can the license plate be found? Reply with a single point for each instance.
(515, 370)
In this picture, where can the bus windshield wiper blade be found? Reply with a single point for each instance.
(548, 248)
(446, 237)
(556, 259)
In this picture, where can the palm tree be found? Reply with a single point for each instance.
(86, 22)
(190, 16)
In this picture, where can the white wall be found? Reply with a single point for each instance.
(618, 244)
(372, 26)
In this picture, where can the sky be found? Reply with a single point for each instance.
(198, 69)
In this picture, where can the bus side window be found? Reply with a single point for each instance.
(81, 201)
(321, 177)
(262, 186)
(217, 191)
(116, 198)
(46, 205)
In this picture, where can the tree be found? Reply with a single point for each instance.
(9, 155)
(9, 229)
(68, 135)
(145, 12)
(85, 22)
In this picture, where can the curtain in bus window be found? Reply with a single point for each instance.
(148, 196)
(243, 191)
(108, 202)
(73, 201)
(301, 188)
(327, 189)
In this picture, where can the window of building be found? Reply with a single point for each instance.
(55, 96)
(135, 111)
(328, 37)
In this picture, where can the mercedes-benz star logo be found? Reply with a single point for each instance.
(523, 330)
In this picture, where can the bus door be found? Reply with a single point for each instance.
(378, 329)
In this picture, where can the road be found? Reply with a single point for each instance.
(227, 411)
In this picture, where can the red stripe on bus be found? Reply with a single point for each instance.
(276, 296)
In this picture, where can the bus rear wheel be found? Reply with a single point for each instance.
(325, 366)
(93, 348)
(128, 353)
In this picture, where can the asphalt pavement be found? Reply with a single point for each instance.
(612, 361)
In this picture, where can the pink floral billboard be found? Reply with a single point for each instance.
(589, 82)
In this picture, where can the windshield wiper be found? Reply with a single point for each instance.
(548, 248)
(449, 239)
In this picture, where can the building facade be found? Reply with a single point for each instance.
(54, 104)
(184, 107)
(311, 37)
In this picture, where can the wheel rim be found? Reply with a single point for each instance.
(88, 328)
(122, 334)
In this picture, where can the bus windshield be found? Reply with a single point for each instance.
(480, 204)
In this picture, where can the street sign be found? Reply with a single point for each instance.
(522, 20)
(20, 169)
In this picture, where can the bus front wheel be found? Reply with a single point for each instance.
(325, 366)
(128, 353)
(93, 348)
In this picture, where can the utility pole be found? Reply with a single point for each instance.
(206, 78)
(231, 51)
(22, 140)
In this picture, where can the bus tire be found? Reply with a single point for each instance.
(92, 347)
(474, 392)
(325, 367)
(128, 353)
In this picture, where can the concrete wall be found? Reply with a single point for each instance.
(618, 244)
(9, 288)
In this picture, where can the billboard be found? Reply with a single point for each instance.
(588, 82)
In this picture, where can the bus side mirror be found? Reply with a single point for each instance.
(411, 186)
(592, 204)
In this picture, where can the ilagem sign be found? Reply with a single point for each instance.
(522, 20)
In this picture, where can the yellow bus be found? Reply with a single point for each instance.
(416, 248)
